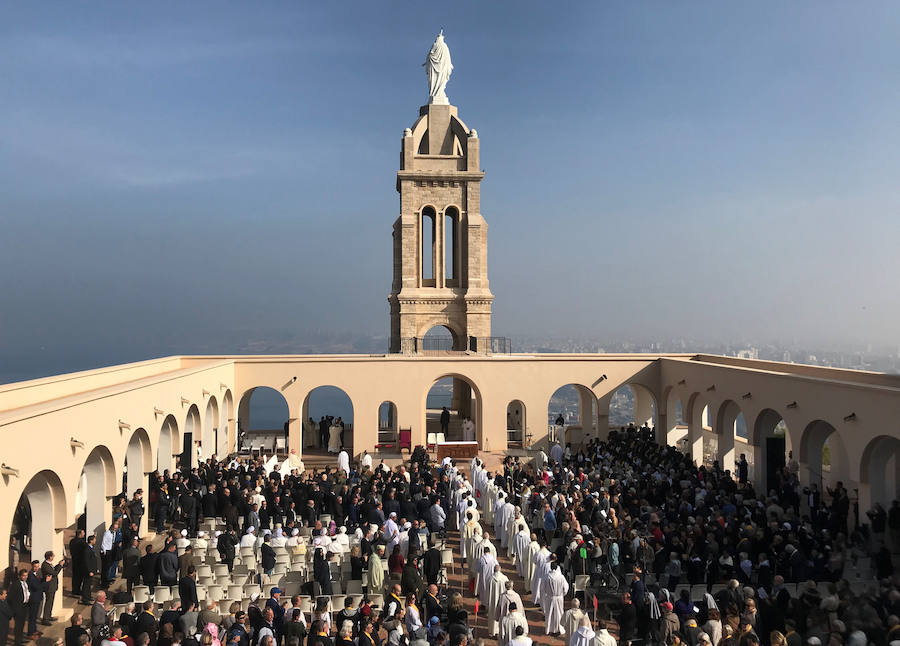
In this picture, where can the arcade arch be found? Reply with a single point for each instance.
(96, 487)
(138, 461)
(515, 421)
(40, 515)
(224, 437)
(880, 470)
(823, 454)
(578, 407)
(676, 431)
(168, 441)
(772, 442)
(725, 430)
(326, 400)
(463, 400)
(263, 415)
(387, 416)
(191, 437)
(209, 442)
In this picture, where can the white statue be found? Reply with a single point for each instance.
(438, 68)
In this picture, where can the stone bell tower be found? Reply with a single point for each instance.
(440, 238)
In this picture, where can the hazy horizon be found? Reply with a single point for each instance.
(653, 171)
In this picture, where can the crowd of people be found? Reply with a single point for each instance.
(610, 540)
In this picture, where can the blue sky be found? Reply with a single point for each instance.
(225, 171)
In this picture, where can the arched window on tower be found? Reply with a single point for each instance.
(429, 220)
(451, 246)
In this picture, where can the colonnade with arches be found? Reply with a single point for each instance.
(74, 442)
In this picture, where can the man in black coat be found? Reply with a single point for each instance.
(18, 602)
(146, 623)
(37, 583)
(209, 503)
(226, 545)
(149, 572)
(267, 555)
(136, 507)
(189, 511)
(431, 564)
(187, 588)
(89, 568)
(131, 563)
(167, 566)
(6, 615)
(76, 548)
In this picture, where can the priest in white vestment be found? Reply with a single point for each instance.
(344, 461)
(521, 638)
(572, 620)
(553, 593)
(512, 526)
(538, 562)
(528, 560)
(513, 619)
(365, 462)
(495, 592)
(603, 638)
(522, 542)
(376, 573)
(509, 598)
(483, 581)
(584, 635)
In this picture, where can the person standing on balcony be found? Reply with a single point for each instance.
(445, 420)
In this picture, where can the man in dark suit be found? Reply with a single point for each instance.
(6, 615)
(131, 563)
(267, 555)
(99, 617)
(189, 511)
(136, 508)
(36, 585)
(51, 576)
(167, 566)
(187, 588)
(226, 545)
(76, 549)
(18, 602)
(149, 574)
(146, 623)
(89, 569)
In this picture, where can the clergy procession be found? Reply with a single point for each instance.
(618, 542)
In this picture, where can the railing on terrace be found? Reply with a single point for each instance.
(446, 345)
